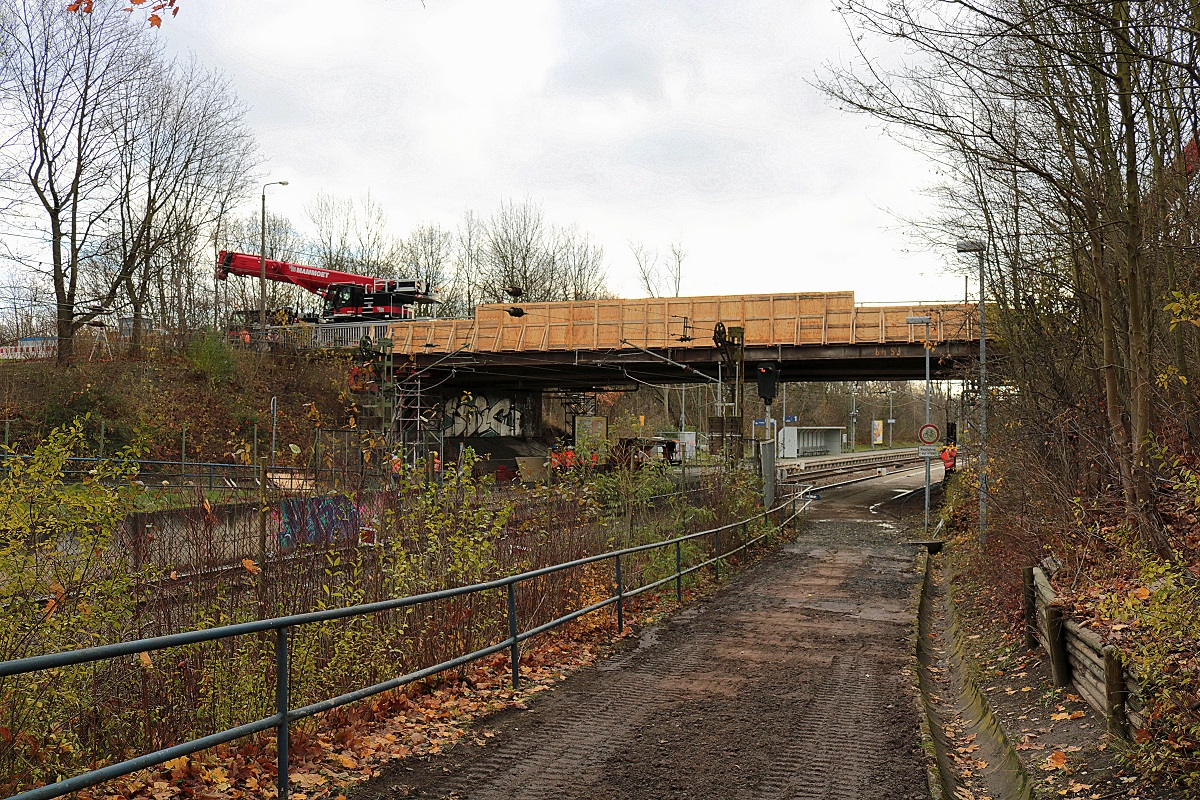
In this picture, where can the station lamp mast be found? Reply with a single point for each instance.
(979, 248)
(262, 276)
(925, 320)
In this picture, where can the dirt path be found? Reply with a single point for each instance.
(788, 683)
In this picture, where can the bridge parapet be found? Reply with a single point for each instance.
(675, 323)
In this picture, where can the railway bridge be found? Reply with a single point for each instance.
(445, 382)
(601, 343)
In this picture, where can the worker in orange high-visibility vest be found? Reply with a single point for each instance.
(949, 458)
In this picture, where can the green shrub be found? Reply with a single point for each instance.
(1163, 616)
(211, 358)
(62, 587)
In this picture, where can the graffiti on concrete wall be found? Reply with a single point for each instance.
(318, 521)
(484, 415)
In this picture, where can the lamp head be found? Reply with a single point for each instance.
(971, 246)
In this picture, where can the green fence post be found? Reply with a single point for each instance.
(620, 599)
(281, 708)
(678, 572)
(717, 555)
(514, 647)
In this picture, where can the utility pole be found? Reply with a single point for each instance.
(854, 418)
(891, 418)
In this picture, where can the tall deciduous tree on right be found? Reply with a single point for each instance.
(1064, 130)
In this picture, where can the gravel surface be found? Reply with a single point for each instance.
(791, 682)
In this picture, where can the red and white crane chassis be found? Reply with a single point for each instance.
(348, 297)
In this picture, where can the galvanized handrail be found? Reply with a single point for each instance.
(285, 715)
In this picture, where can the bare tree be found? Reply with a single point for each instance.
(468, 265)
(428, 256)
(1067, 130)
(333, 219)
(580, 266)
(377, 252)
(515, 253)
(185, 155)
(63, 79)
(24, 308)
(648, 268)
(659, 277)
(674, 267)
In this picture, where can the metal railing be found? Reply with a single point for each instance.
(220, 475)
(285, 715)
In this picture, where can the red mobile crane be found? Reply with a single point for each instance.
(348, 297)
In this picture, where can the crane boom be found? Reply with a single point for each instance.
(348, 297)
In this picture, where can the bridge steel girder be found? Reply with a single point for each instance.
(599, 370)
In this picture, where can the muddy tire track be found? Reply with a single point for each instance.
(791, 682)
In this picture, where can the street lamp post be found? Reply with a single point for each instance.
(262, 261)
(978, 247)
(917, 321)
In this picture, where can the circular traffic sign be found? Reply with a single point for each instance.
(929, 433)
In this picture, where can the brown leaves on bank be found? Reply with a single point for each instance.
(352, 744)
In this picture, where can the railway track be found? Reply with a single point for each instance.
(818, 474)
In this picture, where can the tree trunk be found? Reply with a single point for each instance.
(1146, 516)
(66, 337)
(1112, 389)
(135, 336)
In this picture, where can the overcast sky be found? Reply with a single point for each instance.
(652, 122)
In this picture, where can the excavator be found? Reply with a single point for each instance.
(348, 297)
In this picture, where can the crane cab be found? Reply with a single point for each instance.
(385, 300)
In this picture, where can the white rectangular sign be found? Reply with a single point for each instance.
(929, 450)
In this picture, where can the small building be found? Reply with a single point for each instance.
(796, 442)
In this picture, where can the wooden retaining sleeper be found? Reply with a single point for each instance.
(1080, 658)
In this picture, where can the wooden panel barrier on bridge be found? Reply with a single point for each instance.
(769, 320)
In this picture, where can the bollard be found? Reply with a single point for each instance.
(1115, 693)
(1030, 593)
(1056, 639)
(281, 708)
